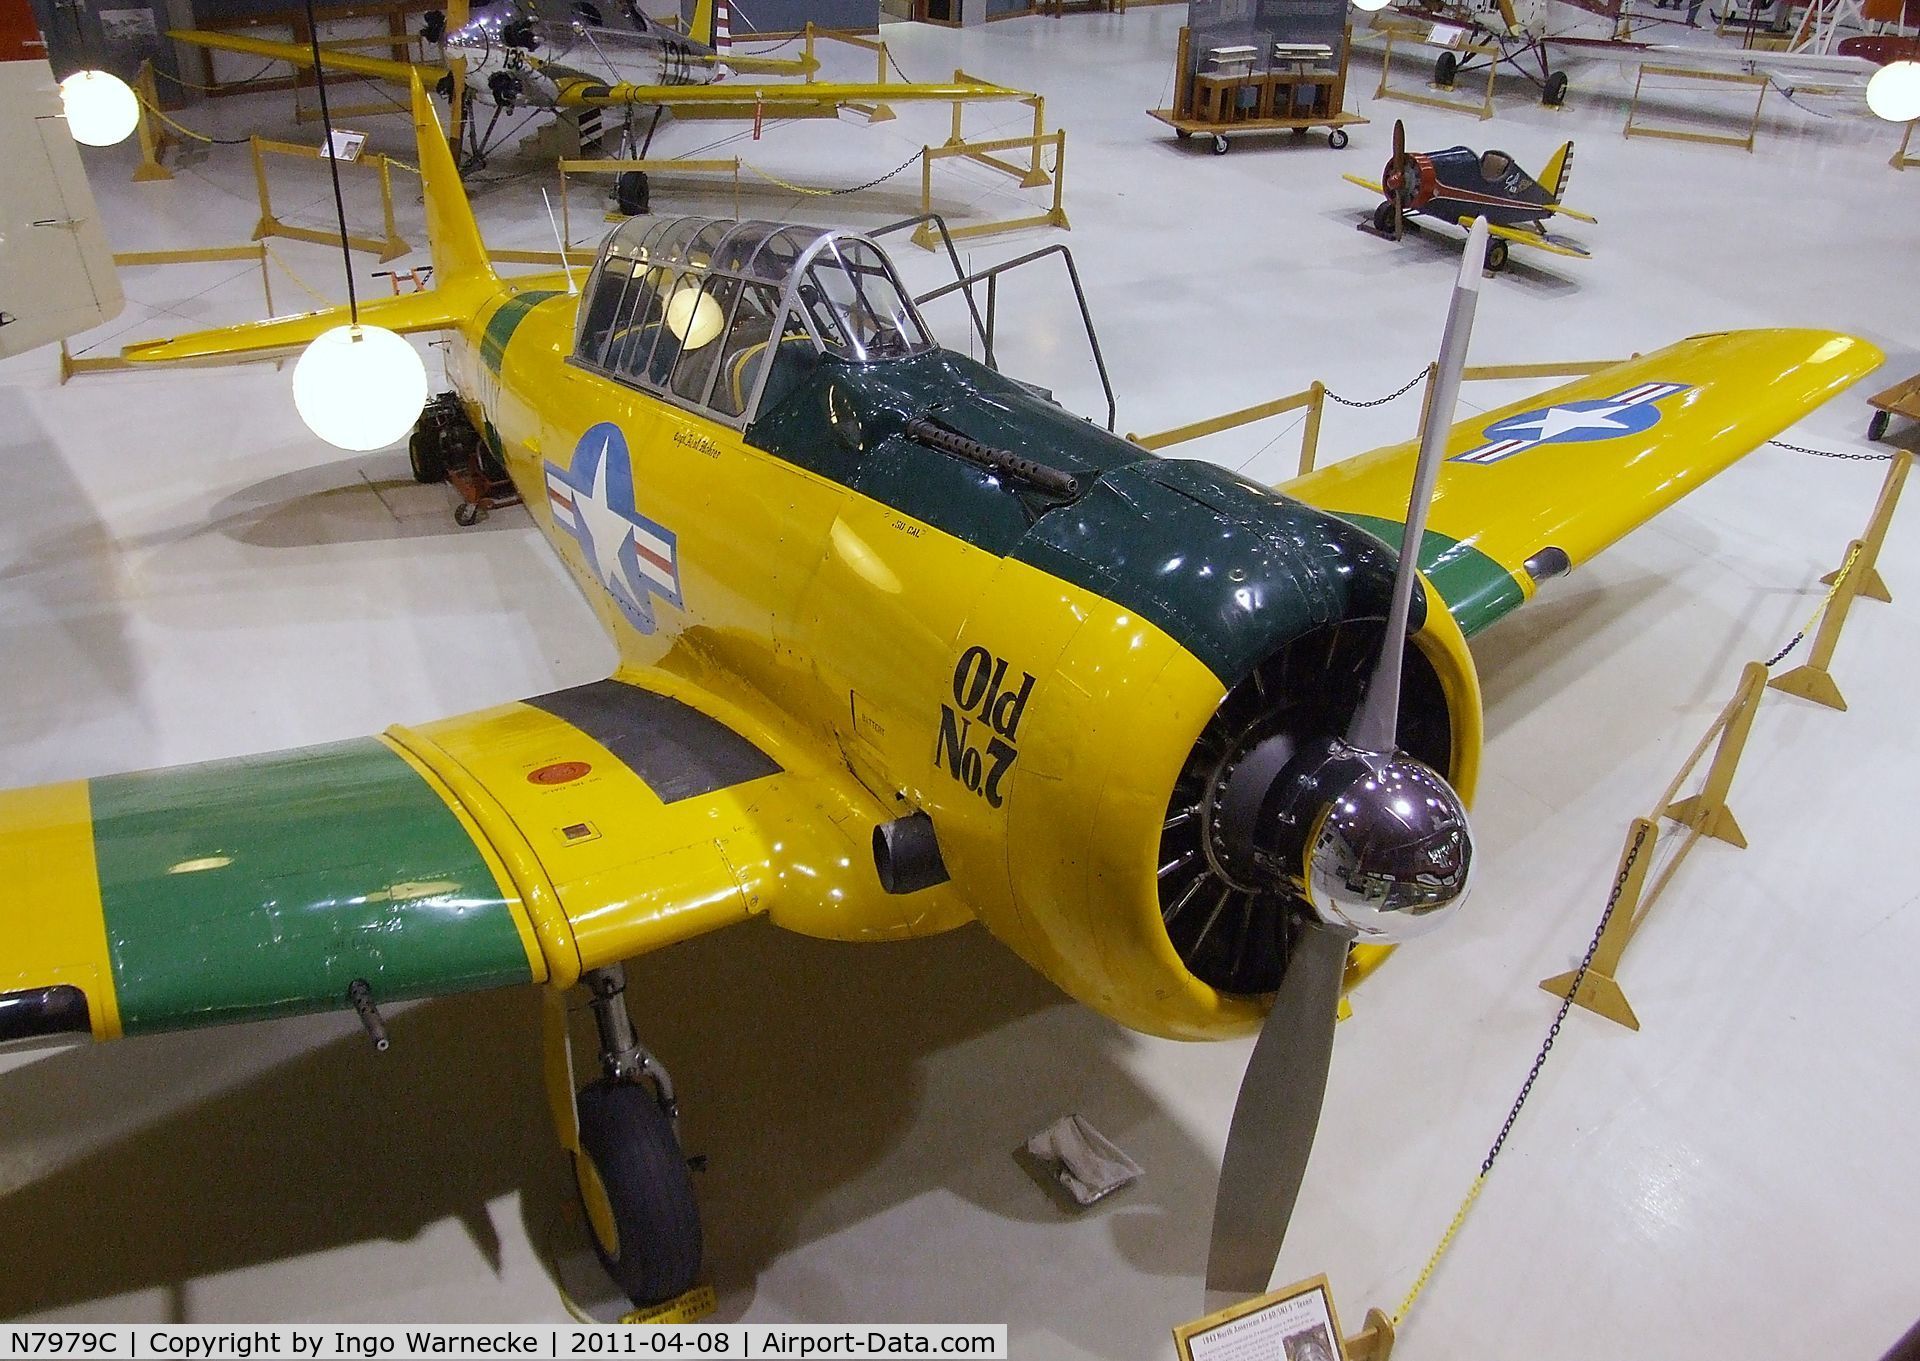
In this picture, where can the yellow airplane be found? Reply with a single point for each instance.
(903, 646)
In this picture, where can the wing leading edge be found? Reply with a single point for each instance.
(1554, 479)
(525, 843)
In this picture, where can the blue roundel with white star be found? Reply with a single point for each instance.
(636, 559)
(1594, 418)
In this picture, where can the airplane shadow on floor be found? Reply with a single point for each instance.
(58, 568)
(825, 1082)
(369, 498)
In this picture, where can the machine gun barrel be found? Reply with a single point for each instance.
(1054, 481)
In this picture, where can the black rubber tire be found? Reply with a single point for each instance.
(425, 457)
(1496, 255)
(1338, 139)
(1444, 70)
(632, 1145)
(632, 194)
(1555, 93)
(1219, 145)
(467, 514)
(1383, 218)
(1183, 133)
(1877, 427)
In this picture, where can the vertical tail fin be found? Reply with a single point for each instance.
(1554, 178)
(453, 237)
(701, 29)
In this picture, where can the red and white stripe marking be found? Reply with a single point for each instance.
(1649, 392)
(560, 499)
(1493, 453)
(656, 559)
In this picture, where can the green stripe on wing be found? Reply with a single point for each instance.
(267, 885)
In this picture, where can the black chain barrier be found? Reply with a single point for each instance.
(1400, 391)
(1566, 1004)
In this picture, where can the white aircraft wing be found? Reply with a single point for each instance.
(56, 268)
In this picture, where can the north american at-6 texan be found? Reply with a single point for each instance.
(903, 646)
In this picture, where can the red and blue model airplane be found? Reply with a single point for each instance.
(1459, 184)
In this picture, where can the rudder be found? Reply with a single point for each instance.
(453, 236)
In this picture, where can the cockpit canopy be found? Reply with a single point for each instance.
(728, 317)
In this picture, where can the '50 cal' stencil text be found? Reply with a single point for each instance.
(980, 729)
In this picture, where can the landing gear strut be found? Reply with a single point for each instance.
(633, 1179)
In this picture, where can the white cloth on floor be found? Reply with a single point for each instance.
(1082, 1159)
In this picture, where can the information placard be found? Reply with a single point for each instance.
(1296, 1323)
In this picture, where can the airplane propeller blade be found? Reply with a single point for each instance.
(1376, 725)
(1358, 840)
(1275, 1118)
(1400, 192)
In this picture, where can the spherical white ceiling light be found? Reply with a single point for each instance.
(1370, 5)
(693, 316)
(359, 387)
(100, 107)
(1894, 91)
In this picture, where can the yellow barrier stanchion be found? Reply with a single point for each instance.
(1032, 175)
(1811, 679)
(1483, 110)
(72, 365)
(927, 238)
(154, 141)
(1900, 159)
(1633, 129)
(1872, 585)
(389, 247)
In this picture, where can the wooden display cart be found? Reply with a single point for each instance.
(1260, 101)
(1902, 399)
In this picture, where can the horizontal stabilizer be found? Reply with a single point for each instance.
(434, 310)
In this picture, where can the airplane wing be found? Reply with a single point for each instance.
(299, 54)
(1543, 484)
(522, 843)
(578, 91)
(1559, 245)
(56, 268)
(583, 92)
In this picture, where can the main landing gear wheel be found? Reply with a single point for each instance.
(1219, 144)
(1877, 427)
(1555, 92)
(1383, 218)
(631, 193)
(1338, 139)
(442, 439)
(637, 1191)
(634, 1182)
(1444, 69)
(467, 514)
(1496, 255)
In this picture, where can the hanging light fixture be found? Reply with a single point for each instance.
(100, 107)
(357, 387)
(1894, 91)
(1370, 5)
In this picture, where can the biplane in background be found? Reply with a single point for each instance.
(903, 645)
(1516, 33)
(1457, 185)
